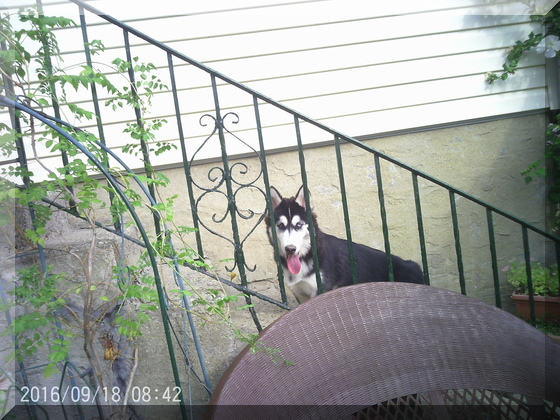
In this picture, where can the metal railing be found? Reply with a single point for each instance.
(338, 138)
(224, 182)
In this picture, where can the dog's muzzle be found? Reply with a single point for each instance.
(290, 249)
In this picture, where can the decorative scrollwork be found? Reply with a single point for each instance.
(227, 182)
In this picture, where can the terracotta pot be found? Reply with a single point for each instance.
(546, 308)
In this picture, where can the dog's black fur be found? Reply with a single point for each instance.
(333, 254)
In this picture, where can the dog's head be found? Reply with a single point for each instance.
(291, 225)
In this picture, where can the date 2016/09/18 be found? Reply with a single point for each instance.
(85, 394)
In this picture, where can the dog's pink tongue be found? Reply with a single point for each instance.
(294, 264)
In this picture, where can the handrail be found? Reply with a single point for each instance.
(338, 137)
(307, 119)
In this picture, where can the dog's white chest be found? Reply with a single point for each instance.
(304, 287)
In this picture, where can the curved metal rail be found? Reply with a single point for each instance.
(145, 240)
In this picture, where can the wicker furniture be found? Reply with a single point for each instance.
(394, 350)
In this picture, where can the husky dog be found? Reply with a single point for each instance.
(294, 244)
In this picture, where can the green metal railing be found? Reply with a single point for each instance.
(225, 183)
(231, 186)
(144, 235)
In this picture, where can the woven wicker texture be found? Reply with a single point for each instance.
(369, 344)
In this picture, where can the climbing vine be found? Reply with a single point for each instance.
(105, 309)
(548, 43)
(545, 42)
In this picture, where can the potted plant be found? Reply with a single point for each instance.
(546, 290)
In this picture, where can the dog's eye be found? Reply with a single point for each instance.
(281, 226)
(299, 225)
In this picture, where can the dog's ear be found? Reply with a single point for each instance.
(300, 197)
(275, 197)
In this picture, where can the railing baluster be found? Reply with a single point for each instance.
(457, 236)
(308, 206)
(140, 121)
(384, 223)
(345, 211)
(186, 166)
(232, 207)
(494, 258)
(96, 107)
(557, 249)
(420, 223)
(529, 274)
(195, 222)
(54, 99)
(270, 210)
(94, 95)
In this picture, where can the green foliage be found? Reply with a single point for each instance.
(8, 138)
(514, 56)
(548, 327)
(545, 280)
(257, 346)
(42, 293)
(539, 169)
(551, 25)
(216, 301)
(36, 330)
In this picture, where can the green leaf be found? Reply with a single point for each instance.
(49, 370)
(246, 306)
